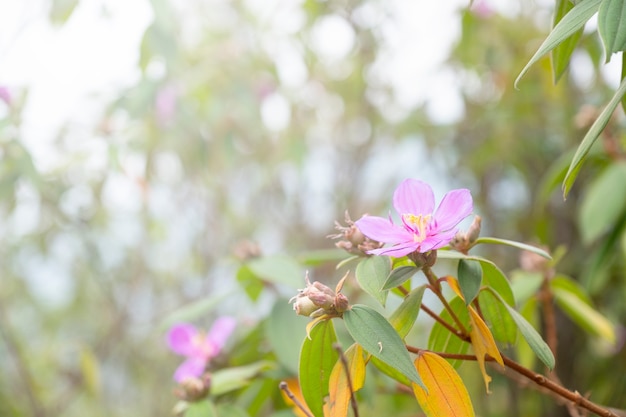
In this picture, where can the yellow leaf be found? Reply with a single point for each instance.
(482, 339)
(483, 344)
(338, 383)
(445, 394)
(294, 387)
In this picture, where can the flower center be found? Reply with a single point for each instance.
(202, 348)
(418, 224)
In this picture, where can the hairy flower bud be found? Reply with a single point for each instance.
(463, 241)
(317, 299)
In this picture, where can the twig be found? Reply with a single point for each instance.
(283, 386)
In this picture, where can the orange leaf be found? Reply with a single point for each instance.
(338, 383)
(445, 394)
(483, 344)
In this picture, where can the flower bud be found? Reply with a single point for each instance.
(317, 299)
(353, 240)
(194, 389)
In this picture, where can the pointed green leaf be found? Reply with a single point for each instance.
(567, 26)
(590, 138)
(560, 55)
(317, 358)
(441, 340)
(372, 331)
(575, 303)
(602, 207)
(612, 26)
(278, 269)
(371, 274)
(519, 245)
(231, 410)
(390, 371)
(502, 325)
(284, 331)
(470, 275)
(230, 379)
(536, 343)
(403, 318)
(399, 276)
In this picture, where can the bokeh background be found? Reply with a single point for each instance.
(149, 148)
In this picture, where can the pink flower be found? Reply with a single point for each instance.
(184, 339)
(421, 229)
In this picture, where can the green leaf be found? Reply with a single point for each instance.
(560, 55)
(525, 284)
(602, 207)
(442, 340)
(250, 283)
(231, 379)
(403, 318)
(372, 331)
(502, 325)
(574, 302)
(61, 10)
(192, 311)
(201, 409)
(278, 269)
(284, 331)
(536, 343)
(317, 358)
(591, 136)
(518, 245)
(371, 274)
(390, 371)
(470, 275)
(567, 26)
(399, 276)
(612, 26)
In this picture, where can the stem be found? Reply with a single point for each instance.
(435, 287)
(541, 380)
(444, 323)
(283, 386)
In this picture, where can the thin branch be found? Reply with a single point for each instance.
(444, 323)
(283, 386)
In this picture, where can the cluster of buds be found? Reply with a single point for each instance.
(463, 241)
(352, 240)
(317, 300)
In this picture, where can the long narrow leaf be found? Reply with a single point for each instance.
(561, 54)
(568, 26)
(612, 26)
(591, 136)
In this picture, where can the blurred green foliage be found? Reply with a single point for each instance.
(241, 138)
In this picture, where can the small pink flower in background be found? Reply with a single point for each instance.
(199, 348)
(422, 229)
(165, 103)
(5, 95)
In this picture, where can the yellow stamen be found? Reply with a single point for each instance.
(419, 225)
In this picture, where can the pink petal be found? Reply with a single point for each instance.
(382, 230)
(414, 197)
(396, 251)
(192, 367)
(180, 339)
(455, 206)
(219, 333)
(437, 241)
